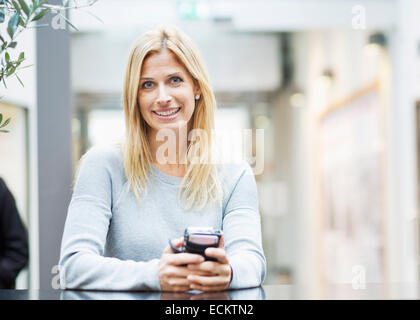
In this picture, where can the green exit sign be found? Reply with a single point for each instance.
(187, 9)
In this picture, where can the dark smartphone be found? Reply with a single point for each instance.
(198, 239)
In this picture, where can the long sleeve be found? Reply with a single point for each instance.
(13, 239)
(242, 232)
(82, 261)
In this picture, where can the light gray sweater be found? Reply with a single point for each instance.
(113, 242)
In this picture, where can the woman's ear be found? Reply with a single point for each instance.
(197, 93)
(197, 89)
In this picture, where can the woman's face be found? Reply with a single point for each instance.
(166, 92)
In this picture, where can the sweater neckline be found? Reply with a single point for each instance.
(166, 177)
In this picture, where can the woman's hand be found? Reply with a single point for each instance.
(173, 269)
(216, 275)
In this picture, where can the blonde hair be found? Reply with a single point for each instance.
(200, 184)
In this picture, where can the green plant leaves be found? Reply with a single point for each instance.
(2, 12)
(20, 81)
(21, 15)
(17, 7)
(12, 66)
(40, 15)
(5, 123)
(12, 25)
(2, 15)
(25, 7)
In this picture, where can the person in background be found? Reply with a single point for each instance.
(13, 239)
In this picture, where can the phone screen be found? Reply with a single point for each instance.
(204, 240)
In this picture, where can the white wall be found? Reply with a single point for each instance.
(261, 15)
(235, 62)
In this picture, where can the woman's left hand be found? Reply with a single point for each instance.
(219, 273)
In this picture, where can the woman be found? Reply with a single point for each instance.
(128, 200)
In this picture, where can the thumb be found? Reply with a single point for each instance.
(222, 242)
(176, 243)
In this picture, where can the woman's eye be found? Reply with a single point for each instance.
(176, 80)
(147, 85)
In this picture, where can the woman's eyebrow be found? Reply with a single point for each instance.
(168, 76)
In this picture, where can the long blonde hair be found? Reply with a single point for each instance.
(201, 184)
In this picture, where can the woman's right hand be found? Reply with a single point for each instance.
(173, 269)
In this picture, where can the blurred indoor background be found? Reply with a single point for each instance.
(334, 84)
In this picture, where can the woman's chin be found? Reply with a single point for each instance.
(174, 125)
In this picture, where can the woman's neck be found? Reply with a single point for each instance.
(168, 148)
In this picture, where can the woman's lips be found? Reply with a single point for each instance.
(172, 115)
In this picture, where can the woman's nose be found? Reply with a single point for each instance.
(164, 98)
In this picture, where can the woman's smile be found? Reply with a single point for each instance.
(166, 113)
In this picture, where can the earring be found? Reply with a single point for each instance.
(197, 96)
